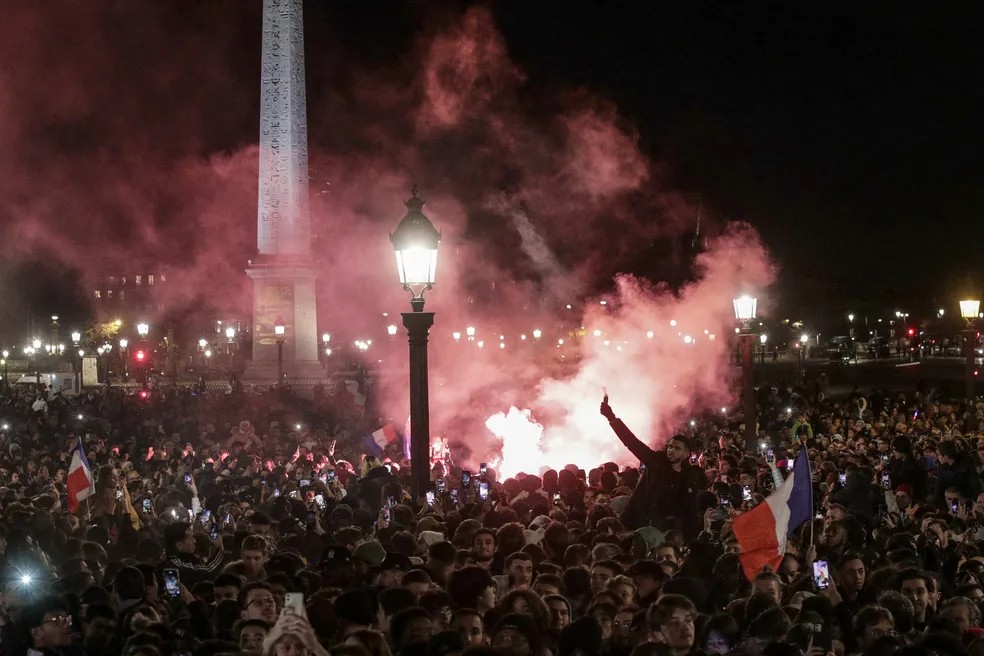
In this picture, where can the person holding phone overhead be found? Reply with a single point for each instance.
(666, 494)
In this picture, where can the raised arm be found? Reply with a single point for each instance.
(627, 437)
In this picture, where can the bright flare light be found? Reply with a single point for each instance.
(650, 334)
(521, 437)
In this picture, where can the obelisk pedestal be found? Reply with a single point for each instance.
(283, 272)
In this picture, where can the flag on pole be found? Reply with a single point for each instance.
(762, 531)
(378, 441)
(80, 483)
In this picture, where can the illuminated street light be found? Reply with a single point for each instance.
(124, 343)
(76, 337)
(456, 336)
(763, 338)
(143, 329)
(202, 343)
(745, 307)
(36, 344)
(470, 332)
(537, 333)
(325, 338)
(230, 333)
(650, 334)
(391, 330)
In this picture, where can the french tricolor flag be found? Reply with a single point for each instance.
(762, 531)
(80, 482)
(378, 441)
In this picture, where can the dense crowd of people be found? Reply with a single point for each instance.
(249, 522)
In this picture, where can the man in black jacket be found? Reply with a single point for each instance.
(955, 470)
(179, 543)
(666, 495)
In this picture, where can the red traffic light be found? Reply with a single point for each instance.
(140, 356)
(144, 394)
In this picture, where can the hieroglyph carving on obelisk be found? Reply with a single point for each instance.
(284, 226)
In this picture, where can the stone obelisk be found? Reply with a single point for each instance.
(283, 272)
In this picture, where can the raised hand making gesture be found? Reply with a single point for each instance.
(606, 410)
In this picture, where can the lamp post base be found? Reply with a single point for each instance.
(418, 325)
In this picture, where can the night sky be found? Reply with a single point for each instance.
(848, 134)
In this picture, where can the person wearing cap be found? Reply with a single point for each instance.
(904, 469)
(666, 494)
(48, 621)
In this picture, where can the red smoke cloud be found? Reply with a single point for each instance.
(128, 136)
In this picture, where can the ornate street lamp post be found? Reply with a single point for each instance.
(415, 242)
(968, 311)
(280, 330)
(745, 307)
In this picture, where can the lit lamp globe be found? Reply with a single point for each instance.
(143, 329)
(124, 343)
(36, 344)
(202, 343)
(230, 333)
(745, 307)
(415, 243)
(325, 338)
(763, 338)
(969, 309)
(280, 328)
(804, 339)
(81, 353)
(391, 330)
(76, 337)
